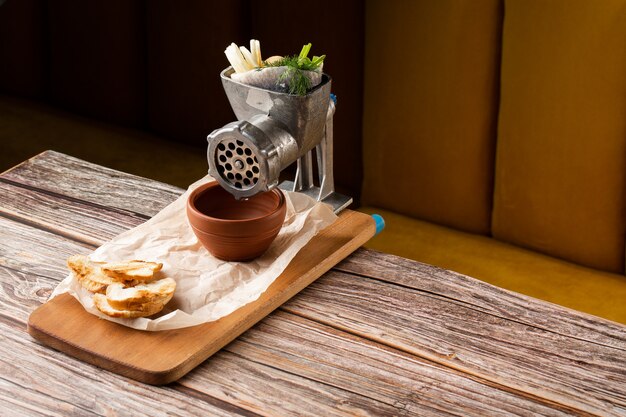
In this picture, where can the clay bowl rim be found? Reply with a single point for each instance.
(204, 187)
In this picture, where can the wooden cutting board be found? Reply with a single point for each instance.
(160, 357)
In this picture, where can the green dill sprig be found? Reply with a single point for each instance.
(299, 83)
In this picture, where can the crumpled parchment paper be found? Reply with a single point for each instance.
(207, 288)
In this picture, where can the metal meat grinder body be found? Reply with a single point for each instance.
(271, 132)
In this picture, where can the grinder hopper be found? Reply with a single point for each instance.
(272, 131)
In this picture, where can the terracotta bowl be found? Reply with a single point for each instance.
(234, 230)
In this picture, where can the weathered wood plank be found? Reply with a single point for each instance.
(91, 223)
(72, 177)
(35, 404)
(39, 379)
(269, 390)
(485, 297)
(567, 371)
(408, 383)
(26, 248)
(21, 293)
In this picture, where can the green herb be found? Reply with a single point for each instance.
(298, 82)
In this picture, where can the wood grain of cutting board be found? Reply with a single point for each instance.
(160, 357)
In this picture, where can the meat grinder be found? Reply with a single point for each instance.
(272, 131)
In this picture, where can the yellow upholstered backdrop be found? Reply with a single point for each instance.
(561, 157)
(430, 116)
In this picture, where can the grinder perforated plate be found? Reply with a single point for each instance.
(237, 163)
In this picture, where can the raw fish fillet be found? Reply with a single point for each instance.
(267, 78)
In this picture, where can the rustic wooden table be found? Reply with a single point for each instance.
(377, 335)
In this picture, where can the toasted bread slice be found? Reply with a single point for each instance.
(80, 264)
(133, 298)
(145, 310)
(91, 275)
(88, 274)
(131, 270)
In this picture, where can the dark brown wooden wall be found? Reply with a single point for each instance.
(23, 54)
(154, 65)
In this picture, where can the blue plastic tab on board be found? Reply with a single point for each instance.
(380, 223)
